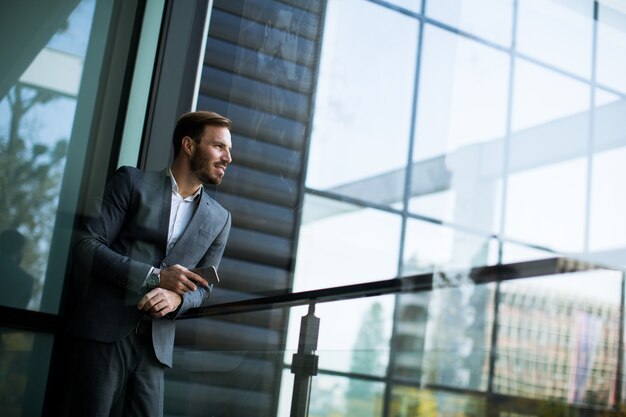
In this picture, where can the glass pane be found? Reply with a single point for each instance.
(411, 402)
(364, 101)
(22, 384)
(558, 338)
(458, 334)
(570, 46)
(37, 107)
(461, 123)
(546, 206)
(334, 396)
(444, 337)
(354, 335)
(342, 244)
(609, 171)
(548, 165)
(431, 247)
(489, 19)
(611, 54)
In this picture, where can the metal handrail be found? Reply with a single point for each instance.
(415, 283)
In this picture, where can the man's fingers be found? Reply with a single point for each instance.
(197, 278)
(145, 300)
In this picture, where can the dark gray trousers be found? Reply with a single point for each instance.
(116, 379)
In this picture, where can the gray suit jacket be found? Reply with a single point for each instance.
(129, 237)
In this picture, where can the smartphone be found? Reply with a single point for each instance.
(209, 273)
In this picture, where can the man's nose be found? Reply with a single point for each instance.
(227, 157)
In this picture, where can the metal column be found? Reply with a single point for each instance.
(304, 363)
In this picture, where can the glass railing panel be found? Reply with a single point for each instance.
(354, 334)
(506, 340)
(456, 342)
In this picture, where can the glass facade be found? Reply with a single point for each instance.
(373, 140)
(501, 144)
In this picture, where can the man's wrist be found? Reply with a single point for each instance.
(153, 280)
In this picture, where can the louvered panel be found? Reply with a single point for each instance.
(259, 247)
(224, 55)
(227, 368)
(243, 275)
(229, 27)
(259, 185)
(314, 6)
(256, 215)
(262, 11)
(217, 335)
(266, 157)
(255, 94)
(264, 126)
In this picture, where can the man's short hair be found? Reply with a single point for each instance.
(192, 124)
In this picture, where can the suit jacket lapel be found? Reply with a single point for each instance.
(200, 224)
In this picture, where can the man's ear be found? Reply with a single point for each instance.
(188, 145)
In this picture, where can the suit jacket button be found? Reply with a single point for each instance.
(163, 264)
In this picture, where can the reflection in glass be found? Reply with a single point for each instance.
(542, 99)
(461, 123)
(546, 206)
(342, 244)
(431, 247)
(489, 19)
(36, 117)
(546, 197)
(363, 102)
(458, 333)
(558, 338)
(570, 46)
(18, 378)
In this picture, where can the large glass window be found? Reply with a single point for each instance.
(548, 159)
(362, 118)
(342, 244)
(461, 123)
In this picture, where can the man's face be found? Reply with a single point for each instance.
(212, 155)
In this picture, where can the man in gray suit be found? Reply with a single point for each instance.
(152, 228)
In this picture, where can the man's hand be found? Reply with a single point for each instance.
(160, 302)
(179, 279)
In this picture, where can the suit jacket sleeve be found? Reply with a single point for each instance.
(93, 248)
(213, 256)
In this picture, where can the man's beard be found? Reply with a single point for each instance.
(198, 167)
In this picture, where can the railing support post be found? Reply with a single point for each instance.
(304, 363)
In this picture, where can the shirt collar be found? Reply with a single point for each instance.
(175, 186)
